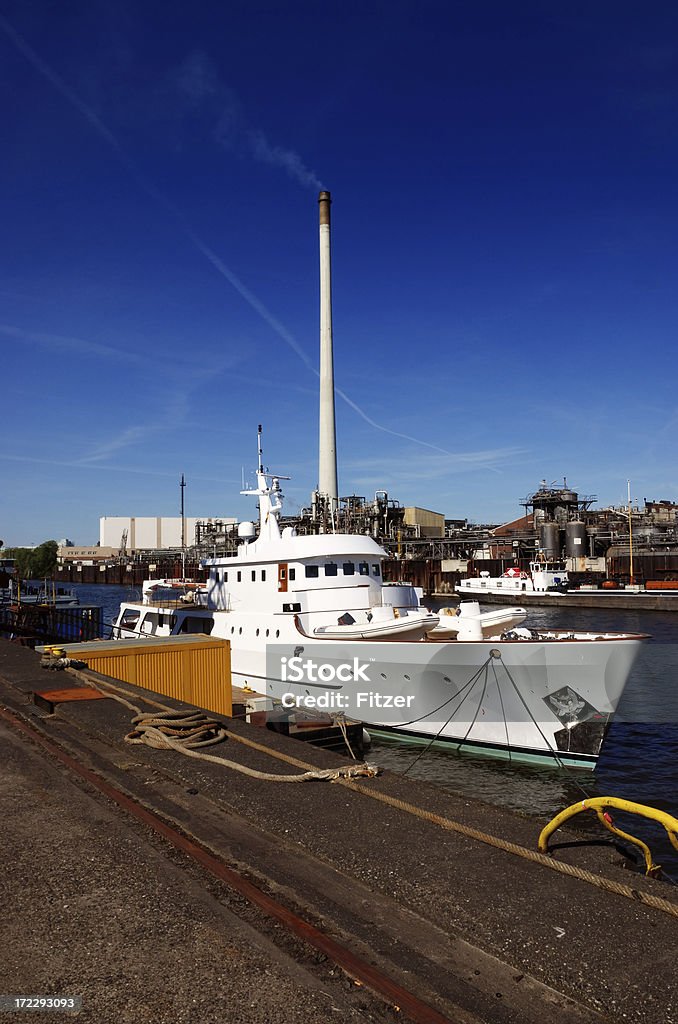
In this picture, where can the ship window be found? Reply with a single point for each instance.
(224, 577)
(364, 569)
(312, 572)
(254, 575)
(330, 568)
(349, 568)
(239, 576)
(263, 575)
(376, 571)
(292, 574)
(193, 624)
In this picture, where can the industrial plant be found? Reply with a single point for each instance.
(625, 544)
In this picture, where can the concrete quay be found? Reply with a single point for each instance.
(607, 599)
(99, 904)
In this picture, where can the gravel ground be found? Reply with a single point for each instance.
(92, 908)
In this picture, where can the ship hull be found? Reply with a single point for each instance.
(548, 699)
(545, 701)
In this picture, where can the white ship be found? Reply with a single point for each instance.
(543, 576)
(312, 623)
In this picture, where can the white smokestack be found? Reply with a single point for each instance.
(327, 468)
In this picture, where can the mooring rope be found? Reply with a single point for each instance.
(657, 902)
(183, 731)
(448, 824)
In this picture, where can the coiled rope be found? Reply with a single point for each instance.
(184, 731)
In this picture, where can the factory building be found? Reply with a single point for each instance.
(130, 534)
(425, 522)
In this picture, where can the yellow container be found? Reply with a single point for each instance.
(195, 669)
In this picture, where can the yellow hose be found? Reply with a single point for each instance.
(599, 805)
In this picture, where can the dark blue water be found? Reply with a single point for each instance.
(639, 760)
(108, 597)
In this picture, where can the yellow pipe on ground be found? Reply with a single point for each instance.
(599, 805)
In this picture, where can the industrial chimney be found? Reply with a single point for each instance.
(327, 451)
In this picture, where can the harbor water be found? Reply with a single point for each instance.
(639, 761)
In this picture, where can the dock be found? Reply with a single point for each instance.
(606, 599)
(159, 887)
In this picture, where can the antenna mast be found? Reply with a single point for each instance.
(182, 486)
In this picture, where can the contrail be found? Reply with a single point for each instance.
(261, 148)
(387, 430)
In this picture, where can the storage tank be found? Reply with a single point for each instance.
(549, 540)
(575, 539)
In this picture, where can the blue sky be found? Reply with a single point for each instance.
(504, 244)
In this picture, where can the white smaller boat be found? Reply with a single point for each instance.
(42, 592)
(175, 591)
(385, 623)
(543, 576)
(467, 622)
